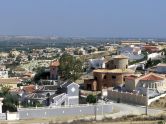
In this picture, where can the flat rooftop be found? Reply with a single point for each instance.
(118, 71)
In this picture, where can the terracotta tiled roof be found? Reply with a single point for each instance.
(29, 89)
(36, 96)
(16, 90)
(29, 74)
(131, 77)
(136, 49)
(151, 76)
(55, 63)
(151, 48)
(9, 80)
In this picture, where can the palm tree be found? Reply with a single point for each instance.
(10, 101)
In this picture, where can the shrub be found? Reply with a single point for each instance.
(91, 99)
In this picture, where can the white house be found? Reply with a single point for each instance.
(3, 74)
(132, 52)
(154, 56)
(154, 82)
(97, 63)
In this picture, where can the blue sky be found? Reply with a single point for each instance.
(85, 18)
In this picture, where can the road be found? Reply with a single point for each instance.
(126, 109)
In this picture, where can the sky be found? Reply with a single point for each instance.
(84, 18)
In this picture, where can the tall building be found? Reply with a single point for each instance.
(54, 69)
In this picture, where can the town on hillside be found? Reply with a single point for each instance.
(107, 79)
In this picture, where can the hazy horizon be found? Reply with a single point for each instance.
(84, 18)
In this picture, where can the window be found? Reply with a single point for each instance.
(113, 77)
(126, 66)
(155, 85)
(123, 79)
(95, 78)
(105, 77)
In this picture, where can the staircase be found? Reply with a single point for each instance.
(58, 100)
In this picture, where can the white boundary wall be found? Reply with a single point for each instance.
(156, 98)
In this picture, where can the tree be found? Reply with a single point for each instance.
(70, 67)
(148, 63)
(10, 101)
(5, 89)
(17, 61)
(40, 74)
(151, 63)
(11, 55)
(48, 99)
(164, 51)
(29, 58)
(91, 99)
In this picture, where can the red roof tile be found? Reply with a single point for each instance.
(131, 77)
(151, 76)
(29, 89)
(55, 63)
(9, 80)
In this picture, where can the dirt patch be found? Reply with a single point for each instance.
(160, 103)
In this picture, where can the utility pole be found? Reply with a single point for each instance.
(102, 97)
(96, 106)
(147, 98)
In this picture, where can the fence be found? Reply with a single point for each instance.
(156, 98)
(127, 97)
(2, 116)
(45, 112)
(12, 116)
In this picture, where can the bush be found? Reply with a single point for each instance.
(91, 99)
(161, 122)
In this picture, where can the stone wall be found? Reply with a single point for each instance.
(105, 80)
(120, 63)
(127, 97)
(117, 63)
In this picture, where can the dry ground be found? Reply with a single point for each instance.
(130, 119)
(161, 103)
